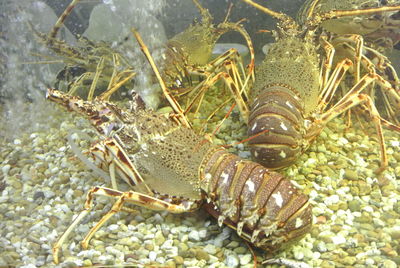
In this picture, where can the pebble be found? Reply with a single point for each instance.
(232, 261)
(349, 260)
(211, 249)
(240, 250)
(178, 259)
(5, 169)
(350, 174)
(159, 238)
(354, 205)
(194, 235)
(245, 259)
(389, 264)
(202, 255)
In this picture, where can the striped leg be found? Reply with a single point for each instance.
(143, 200)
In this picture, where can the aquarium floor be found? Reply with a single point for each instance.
(43, 186)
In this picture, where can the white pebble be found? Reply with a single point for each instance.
(113, 227)
(194, 235)
(152, 255)
(368, 209)
(369, 261)
(298, 255)
(245, 259)
(333, 199)
(232, 261)
(338, 240)
(210, 249)
(17, 142)
(342, 141)
(203, 233)
(5, 169)
(395, 143)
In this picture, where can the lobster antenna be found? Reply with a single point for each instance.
(277, 15)
(172, 101)
(62, 18)
(334, 14)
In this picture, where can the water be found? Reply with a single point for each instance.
(43, 185)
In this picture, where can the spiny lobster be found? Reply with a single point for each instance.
(186, 54)
(295, 84)
(177, 169)
(366, 39)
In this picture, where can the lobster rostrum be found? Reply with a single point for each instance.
(295, 84)
(170, 167)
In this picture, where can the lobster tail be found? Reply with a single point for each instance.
(276, 112)
(264, 207)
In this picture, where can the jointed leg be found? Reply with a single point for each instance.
(136, 198)
(354, 98)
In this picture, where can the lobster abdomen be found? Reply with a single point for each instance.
(264, 207)
(278, 113)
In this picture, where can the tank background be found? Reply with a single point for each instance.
(178, 14)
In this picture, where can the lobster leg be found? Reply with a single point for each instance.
(224, 67)
(354, 98)
(117, 79)
(99, 69)
(136, 198)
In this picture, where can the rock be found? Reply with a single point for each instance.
(364, 188)
(233, 244)
(211, 249)
(240, 250)
(350, 174)
(354, 205)
(178, 259)
(194, 235)
(87, 262)
(202, 255)
(245, 259)
(388, 264)
(232, 261)
(159, 238)
(349, 260)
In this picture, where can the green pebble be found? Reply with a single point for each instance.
(349, 260)
(389, 264)
(240, 250)
(365, 189)
(87, 262)
(149, 246)
(159, 238)
(354, 205)
(397, 260)
(350, 174)
(202, 255)
(178, 259)
(336, 228)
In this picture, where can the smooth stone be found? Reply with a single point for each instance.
(232, 261)
(202, 255)
(178, 259)
(349, 260)
(354, 205)
(389, 264)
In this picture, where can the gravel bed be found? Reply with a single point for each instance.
(43, 186)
